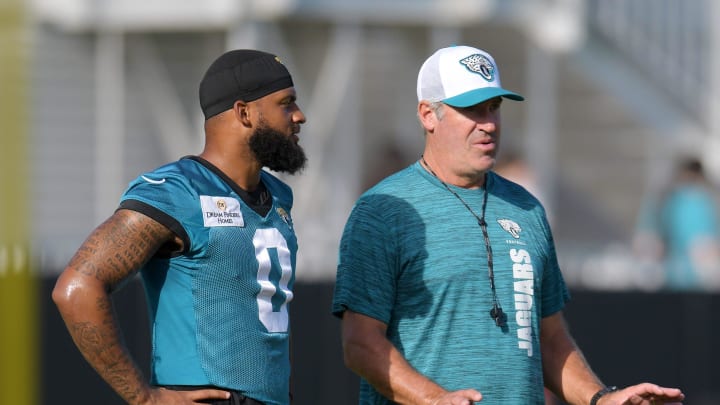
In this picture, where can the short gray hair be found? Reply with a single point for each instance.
(438, 108)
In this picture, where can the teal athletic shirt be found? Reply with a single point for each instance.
(688, 216)
(219, 310)
(413, 257)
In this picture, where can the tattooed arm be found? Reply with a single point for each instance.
(113, 253)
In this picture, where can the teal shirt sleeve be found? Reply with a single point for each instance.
(170, 195)
(365, 280)
(554, 291)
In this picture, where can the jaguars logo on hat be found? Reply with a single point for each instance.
(479, 64)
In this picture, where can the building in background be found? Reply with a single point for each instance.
(616, 90)
(611, 86)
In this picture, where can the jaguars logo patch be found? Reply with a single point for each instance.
(285, 216)
(479, 64)
(510, 227)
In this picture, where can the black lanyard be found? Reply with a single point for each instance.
(496, 313)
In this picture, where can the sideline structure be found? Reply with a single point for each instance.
(19, 346)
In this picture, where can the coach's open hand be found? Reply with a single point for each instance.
(643, 394)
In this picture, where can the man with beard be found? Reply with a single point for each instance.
(213, 239)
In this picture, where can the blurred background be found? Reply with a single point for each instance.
(619, 137)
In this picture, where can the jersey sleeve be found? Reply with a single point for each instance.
(554, 291)
(366, 278)
(165, 199)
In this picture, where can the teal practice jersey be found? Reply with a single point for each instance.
(414, 257)
(219, 309)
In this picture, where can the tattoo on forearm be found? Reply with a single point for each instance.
(112, 253)
(119, 247)
(102, 349)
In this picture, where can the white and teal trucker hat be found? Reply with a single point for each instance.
(461, 76)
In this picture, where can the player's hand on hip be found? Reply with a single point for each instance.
(643, 394)
(165, 396)
(462, 397)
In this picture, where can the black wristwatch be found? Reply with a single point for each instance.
(599, 394)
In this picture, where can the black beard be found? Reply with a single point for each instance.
(277, 151)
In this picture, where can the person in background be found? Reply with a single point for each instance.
(213, 239)
(448, 283)
(681, 230)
